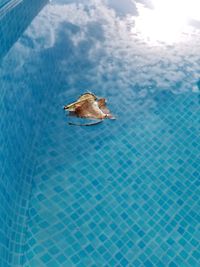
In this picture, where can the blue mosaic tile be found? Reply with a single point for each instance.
(16, 137)
(123, 193)
(148, 219)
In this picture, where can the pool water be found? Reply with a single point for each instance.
(121, 193)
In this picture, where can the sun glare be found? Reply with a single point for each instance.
(167, 20)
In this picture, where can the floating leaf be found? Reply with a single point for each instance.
(90, 107)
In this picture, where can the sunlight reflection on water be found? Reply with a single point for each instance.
(168, 21)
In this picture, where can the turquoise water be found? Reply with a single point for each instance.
(124, 192)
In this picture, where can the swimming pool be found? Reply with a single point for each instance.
(121, 193)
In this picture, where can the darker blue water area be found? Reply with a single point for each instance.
(3, 2)
(121, 193)
(17, 134)
(14, 20)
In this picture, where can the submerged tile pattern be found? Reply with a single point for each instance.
(17, 134)
(124, 193)
(15, 16)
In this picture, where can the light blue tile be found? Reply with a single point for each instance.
(123, 193)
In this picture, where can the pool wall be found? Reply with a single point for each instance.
(18, 132)
(124, 193)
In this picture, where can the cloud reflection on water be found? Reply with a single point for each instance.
(101, 46)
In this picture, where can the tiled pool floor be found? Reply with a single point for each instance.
(123, 193)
